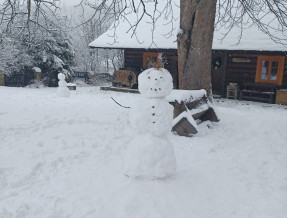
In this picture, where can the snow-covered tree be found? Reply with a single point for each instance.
(93, 60)
(35, 34)
(13, 56)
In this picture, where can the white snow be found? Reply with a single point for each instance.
(148, 33)
(36, 69)
(64, 157)
(185, 95)
(202, 107)
(188, 115)
(164, 33)
(71, 84)
(58, 62)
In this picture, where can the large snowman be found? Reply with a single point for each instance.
(150, 154)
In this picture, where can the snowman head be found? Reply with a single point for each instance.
(155, 83)
(61, 76)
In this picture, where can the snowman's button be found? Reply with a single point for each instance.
(152, 106)
(153, 114)
(153, 122)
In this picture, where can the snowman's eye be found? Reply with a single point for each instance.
(149, 77)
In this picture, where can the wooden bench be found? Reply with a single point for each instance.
(191, 107)
(258, 92)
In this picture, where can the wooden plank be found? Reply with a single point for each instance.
(199, 114)
(257, 92)
(255, 98)
(178, 108)
(119, 89)
(210, 115)
(2, 78)
(196, 103)
(184, 128)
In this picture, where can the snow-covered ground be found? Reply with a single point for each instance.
(64, 157)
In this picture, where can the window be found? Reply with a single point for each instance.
(150, 59)
(216, 63)
(270, 69)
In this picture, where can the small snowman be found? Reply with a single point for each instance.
(150, 154)
(63, 90)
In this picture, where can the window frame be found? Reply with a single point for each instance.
(151, 55)
(280, 69)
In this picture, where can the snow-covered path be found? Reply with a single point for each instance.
(63, 158)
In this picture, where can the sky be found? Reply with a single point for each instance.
(69, 8)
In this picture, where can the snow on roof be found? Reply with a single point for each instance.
(252, 39)
(36, 69)
(160, 35)
(163, 33)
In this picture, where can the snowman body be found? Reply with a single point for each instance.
(152, 116)
(150, 154)
(63, 90)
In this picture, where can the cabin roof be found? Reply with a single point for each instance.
(163, 34)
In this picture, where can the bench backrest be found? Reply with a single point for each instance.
(259, 87)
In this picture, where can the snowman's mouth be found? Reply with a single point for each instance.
(155, 89)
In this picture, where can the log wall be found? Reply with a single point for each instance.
(134, 60)
(241, 66)
(237, 66)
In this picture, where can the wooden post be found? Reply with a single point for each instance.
(37, 73)
(2, 78)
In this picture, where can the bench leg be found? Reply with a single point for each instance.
(235, 94)
(240, 95)
(271, 99)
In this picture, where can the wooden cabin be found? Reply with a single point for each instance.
(256, 64)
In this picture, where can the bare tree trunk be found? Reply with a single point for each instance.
(195, 43)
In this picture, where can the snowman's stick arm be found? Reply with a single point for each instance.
(119, 103)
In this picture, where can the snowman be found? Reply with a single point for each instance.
(150, 154)
(63, 90)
